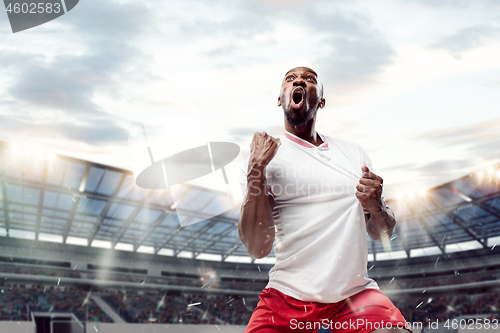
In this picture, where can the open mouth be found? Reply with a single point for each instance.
(297, 97)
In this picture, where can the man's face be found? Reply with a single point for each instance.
(301, 95)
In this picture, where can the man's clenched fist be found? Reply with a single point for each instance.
(369, 190)
(263, 149)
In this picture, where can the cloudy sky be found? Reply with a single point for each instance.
(416, 83)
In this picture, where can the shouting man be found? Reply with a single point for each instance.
(318, 198)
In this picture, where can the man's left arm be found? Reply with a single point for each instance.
(380, 221)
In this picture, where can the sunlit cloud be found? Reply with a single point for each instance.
(396, 92)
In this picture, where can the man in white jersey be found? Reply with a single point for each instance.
(318, 198)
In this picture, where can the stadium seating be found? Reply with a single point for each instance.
(16, 303)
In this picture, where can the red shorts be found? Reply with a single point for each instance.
(363, 312)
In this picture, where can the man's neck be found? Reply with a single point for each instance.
(307, 133)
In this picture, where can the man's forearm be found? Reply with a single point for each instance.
(380, 224)
(256, 226)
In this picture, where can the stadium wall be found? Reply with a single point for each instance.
(16, 327)
(157, 328)
(27, 327)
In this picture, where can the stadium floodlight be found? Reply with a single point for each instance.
(166, 252)
(415, 194)
(124, 247)
(77, 241)
(145, 249)
(399, 197)
(101, 244)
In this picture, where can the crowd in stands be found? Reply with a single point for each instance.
(17, 303)
(149, 307)
(201, 309)
(442, 307)
(236, 311)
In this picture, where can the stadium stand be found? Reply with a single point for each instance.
(443, 307)
(79, 237)
(18, 302)
(192, 309)
(418, 286)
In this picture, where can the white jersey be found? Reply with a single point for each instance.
(321, 240)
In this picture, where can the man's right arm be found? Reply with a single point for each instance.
(256, 225)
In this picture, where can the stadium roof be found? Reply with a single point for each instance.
(461, 215)
(55, 198)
